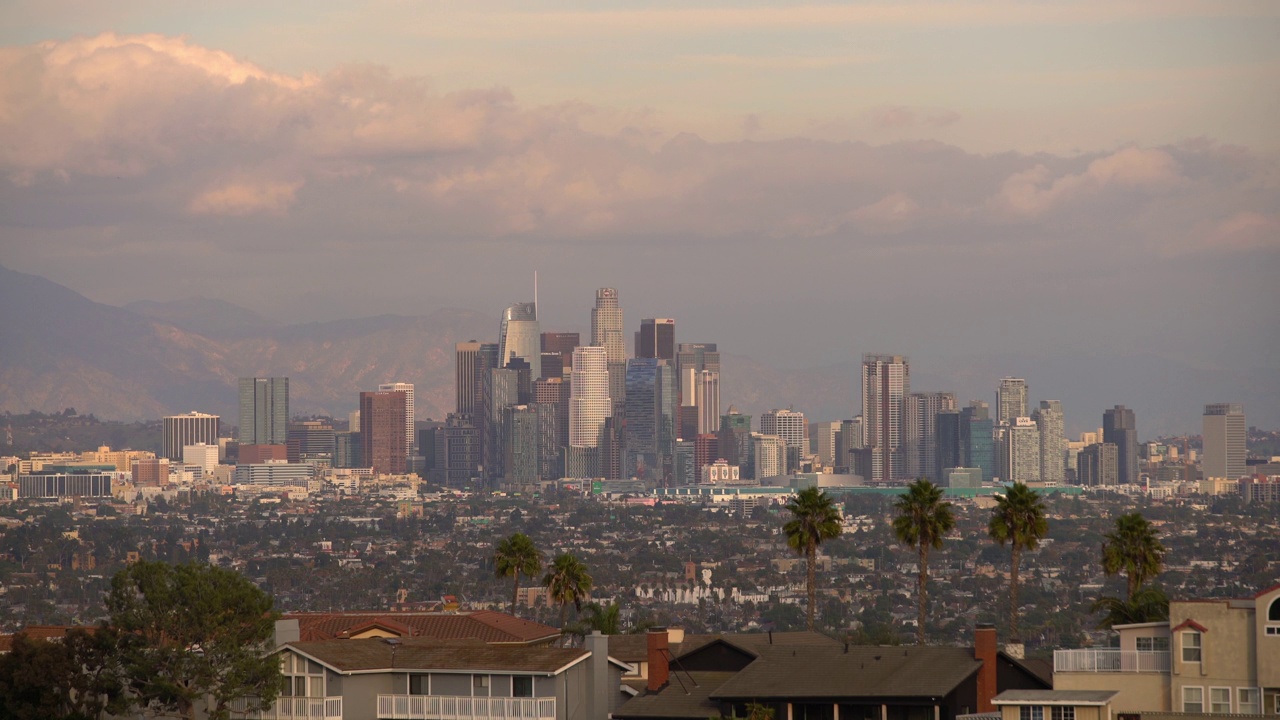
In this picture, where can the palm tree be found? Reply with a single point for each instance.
(923, 519)
(1149, 604)
(1134, 550)
(1018, 519)
(567, 581)
(814, 519)
(513, 556)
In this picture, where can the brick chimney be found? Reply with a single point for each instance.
(984, 650)
(659, 671)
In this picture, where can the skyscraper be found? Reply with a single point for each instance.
(822, 441)
(589, 402)
(410, 434)
(520, 337)
(264, 411)
(706, 399)
(561, 343)
(191, 428)
(791, 427)
(1053, 442)
(1097, 464)
(695, 356)
(1020, 451)
(769, 453)
(698, 365)
(886, 381)
(1011, 400)
(606, 325)
(1224, 441)
(382, 435)
(466, 377)
(948, 446)
(977, 439)
(650, 428)
(920, 423)
(735, 437)
(1119, 427)
(657, 339)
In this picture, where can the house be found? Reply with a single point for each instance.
(487, 626)
(1213, 657)
(826, 681)
(1055, 704)
(633, 649)
(422, 678)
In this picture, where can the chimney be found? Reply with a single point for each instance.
(598, 675)
(659, 672)
(984, 649)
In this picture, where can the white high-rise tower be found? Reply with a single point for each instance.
(886, 382)
(606, 325)
(1224, 441)
(520, 337)
(1011, 400)
(589, 403)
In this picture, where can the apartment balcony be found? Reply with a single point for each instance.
(1110, 661)
(293, 708)
(447, 707)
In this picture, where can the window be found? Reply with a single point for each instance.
(1064, 713)
(1249, 701)
(1191, 646)
(1030, 712)
(480, 685)
(419, 684)
(1273, 614)
(301, 677)
(521, 686)
(1220, 701)
(1153, 644)
(1193, 699)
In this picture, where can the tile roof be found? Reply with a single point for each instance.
(487, 626)
(41, 632)
(433, 654)
(690, 700)
(861, 671)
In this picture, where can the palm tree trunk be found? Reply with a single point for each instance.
(515, 593)
(811, 552)
(924, 598)
(564, 612)
(1133, 585)
(1013, 594)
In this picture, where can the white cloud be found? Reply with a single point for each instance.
(1035, 191)
(245, 198)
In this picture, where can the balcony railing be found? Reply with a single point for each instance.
(293, 708)
(1110, 661)
(448, 707)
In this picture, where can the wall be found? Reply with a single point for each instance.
(1139, 692)
(1227, 649)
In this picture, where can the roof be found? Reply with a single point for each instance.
(1055, 697)
(41, 632)
(487, 626)
(1191, 624)
(859, 671)
(372, 654)
(1041, 668)
(635, 648)
(692, 699)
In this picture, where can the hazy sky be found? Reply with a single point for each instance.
(801, 182)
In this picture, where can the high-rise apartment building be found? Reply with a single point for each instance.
(769, 453)
(1224, 441)
(520, 460)
(791, 427)
(920, 423)
(520, 337)
(886, 382)
(1098, 464)
(264, 411)
(1011, 400)
(1053, 442)
(606, 325)
(822, 441)
(1119, 427)
(410, 433)
(848, 442)
(191, 428)
(589, 402)
(382, 437)
(657, 339)
(1020, 451)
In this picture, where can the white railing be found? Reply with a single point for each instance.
(449, 707)
(293, 708)
(1110, 661)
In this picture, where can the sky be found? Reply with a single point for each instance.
(800, 182)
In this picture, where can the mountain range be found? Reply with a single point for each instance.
(59, 349)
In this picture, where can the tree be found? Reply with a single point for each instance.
(512, 557)
(1134, 550)
(202, 634)
(923, 520)
(607, 619)
(814, 518)
(567, 581)
(76, 678)
(1149, 604)
(1017, 519)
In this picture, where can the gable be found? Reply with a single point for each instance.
(1013, 675)
(715, 656)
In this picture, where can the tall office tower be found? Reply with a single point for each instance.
(550, 449)
(467, 377)
(520, 445)
(790, 426)
(606, 325)
(1053, 442)
(695, 357)
(264, 411)
(1098, 464)
(353, 421)
(1011, 400)
(848, 441)
(707, 400)
(1224, 441)
(410, 430)
(311, 441)
(501, 391)
(554, 392)
(1020, 451)
(1119, 427)
(191, 428)
(886, 382)
(346, 450)
(822, 441)
(920, 423)
(686, 472)
(552, 365)
(656, 338)
(977, 439)
(650, 420)
(770, 455)
(382, 431)
(589, 402)
(948, 452)
(458, 451)
(706, 450)
(562, 344)
(735, 437)
(519, 337)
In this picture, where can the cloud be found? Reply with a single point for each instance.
(1034, 191)
(245, 198)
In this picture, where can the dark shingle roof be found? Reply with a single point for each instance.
(634, 648)
(690, 700)
(486, 625)
(432, 654)
(1056, 697)
(822, 672)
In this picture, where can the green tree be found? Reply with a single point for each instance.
(606, 619)
(567, 581)
(1019, 520)
(76, 678)
(814, 518)
(923, 520)
(514, 556)
(202, 635)
(1149, 604)
(1134, 549)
